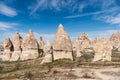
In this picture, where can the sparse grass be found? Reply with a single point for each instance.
(39, 70)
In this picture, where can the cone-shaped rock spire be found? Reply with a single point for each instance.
(62, 46)
(62, 40)
(29, 47)
(17, 40)
(29, 41)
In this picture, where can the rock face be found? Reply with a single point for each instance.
(41, 46)
(1, 51)
(41, 43)
(47, 47)
(81, 43)
(115, 39)
(8, 49)
(62, 46)
(29, 47)
(17, 40)
(48, 53)
(102, 48)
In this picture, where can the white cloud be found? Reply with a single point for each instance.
(85, 14)
(103, 33)
(112, 19)
(7, 11)
(5, 25)
(94, 13)
(96, 34)
(56, 5)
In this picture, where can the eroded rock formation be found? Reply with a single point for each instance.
(8, 49)
(102, 48)
(62, 46)
(48, 53)
(29, 47)
(17, 40)
(81, 43)
(115, 39)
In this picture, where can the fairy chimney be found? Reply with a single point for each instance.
(17, 40)
(8, 49)
(29, 47)
(62, 46)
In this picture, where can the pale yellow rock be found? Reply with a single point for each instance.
(41, 43)
(47, 47)
(8, 49)
(80, 43)
(17, 40)
(115, 38)
(62, 40)
(62, 46)
(48, 52)
(102, 48)
(29, 47)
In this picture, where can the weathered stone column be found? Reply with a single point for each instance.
(17, 40)
(8, 49)
(29, 47)
(62, 46)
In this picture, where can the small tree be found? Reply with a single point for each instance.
(28, 75)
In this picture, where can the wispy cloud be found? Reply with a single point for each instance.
(7, 11)
(37, 6)
(5, 25)
(96, 34)
(111, 17)
(92, 13)
(103, 33)
(85, 14)
(56, 5)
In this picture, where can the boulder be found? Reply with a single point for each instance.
(62, 46)
(80, 43)
(17, 40)
(48, 56)
(47, 47)
(8, 49)
(29, 47)
(115, 39)
(102, 48)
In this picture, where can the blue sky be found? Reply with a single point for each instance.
(95, 17)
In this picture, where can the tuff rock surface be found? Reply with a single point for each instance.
(8, 49)
(62, 46)
(80, 43)
(17, 40)
(48, 55)
(29, 47)
(115, 39)
(102, 47)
